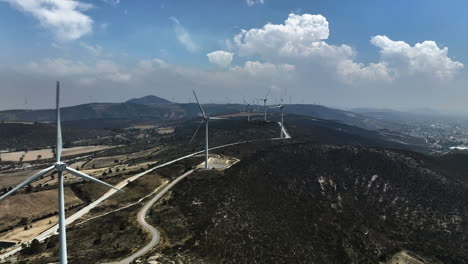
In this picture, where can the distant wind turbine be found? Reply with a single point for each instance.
(281, 107)
(60, 167)
(264, 104)
(205, 120)
(247, 109)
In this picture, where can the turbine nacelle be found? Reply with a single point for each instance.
(60, 166)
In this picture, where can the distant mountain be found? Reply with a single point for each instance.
(149, 100)
(156, 108)
(98, 111)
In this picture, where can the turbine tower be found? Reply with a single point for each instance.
(60, 167)
(281, 107)
(205, 120)
(264, 104)
(247, 109)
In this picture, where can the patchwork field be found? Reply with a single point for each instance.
(47, 153)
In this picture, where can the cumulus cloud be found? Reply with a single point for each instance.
(300, 35)
(351, 72)
(251, 3)
(183, 36)
(256, 68)
(63, 17)
(220, 58)
(425, 57)
(302, 41)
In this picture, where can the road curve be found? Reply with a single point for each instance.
(156, 235)
(149, 228)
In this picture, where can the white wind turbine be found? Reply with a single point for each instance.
(264, 104)
(60, 167)
(281, 107)
(205, 120)
(247, 109)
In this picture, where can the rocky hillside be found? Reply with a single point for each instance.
(309, 203)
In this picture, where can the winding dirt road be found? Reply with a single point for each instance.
(152, 230)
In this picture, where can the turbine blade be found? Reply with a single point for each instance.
(89, 178)
(58, 150)
(34, 177)
(199, 105)
(218, 118)
(266, 96)
(196, 131)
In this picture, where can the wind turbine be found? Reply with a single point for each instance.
(247, 109)
(281, 107)
(264, 104)
(60, 167)
(205, 120)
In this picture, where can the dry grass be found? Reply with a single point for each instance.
(19, 235)
(32, 205)
(14, 178)
(166, 130)
(143, 127)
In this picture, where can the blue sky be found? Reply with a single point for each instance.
(161, 47)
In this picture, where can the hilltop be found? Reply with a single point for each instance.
(311, 203)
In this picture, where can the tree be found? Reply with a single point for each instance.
(28, 188)
(39, 157)
(33, 248)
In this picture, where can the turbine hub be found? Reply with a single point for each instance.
(60, 166)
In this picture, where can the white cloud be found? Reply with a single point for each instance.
(425, 57)
(111, 2)
(183, 36)
(351, 72)
(301, 41)
(63, 17)
(256, 68)
(152, 65)
(86, 72)
(300, 35)
(104, 26)
(94, 49)
(220, 58)
(251, 3)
